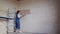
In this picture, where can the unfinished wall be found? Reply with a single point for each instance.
(4, 5)
(43, 16)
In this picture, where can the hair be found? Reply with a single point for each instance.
(17, 12)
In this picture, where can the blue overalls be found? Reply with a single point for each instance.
(17, 22)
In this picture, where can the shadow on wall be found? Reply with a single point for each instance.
(58, 16)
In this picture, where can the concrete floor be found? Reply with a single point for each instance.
(25, 33)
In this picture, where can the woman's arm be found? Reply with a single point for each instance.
(22, 16)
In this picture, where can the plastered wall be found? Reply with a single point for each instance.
(43, 17)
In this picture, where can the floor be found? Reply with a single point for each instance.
(25, 33)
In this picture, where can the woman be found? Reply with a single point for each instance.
(18, 16)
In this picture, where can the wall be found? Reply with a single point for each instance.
(58, 31)
(43, 17)
(4, 5)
